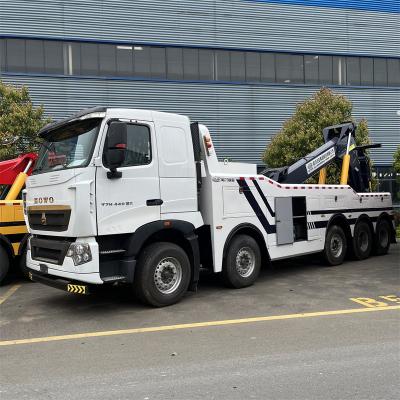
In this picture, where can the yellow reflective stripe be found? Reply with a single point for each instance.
(11, 230)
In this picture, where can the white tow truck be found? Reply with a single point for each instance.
(139, 197)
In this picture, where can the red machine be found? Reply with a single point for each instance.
(10, 169)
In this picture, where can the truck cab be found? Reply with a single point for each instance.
(107, 181)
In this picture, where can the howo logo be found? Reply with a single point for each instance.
(43, 200)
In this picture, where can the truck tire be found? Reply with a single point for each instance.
(335, 245)
(382, 237)
(242, 263)
(362, 240)
(162, 274)
(4, 263)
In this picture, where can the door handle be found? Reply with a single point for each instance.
(154, 202)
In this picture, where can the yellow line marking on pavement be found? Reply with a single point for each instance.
(194, 325)
(9, 293)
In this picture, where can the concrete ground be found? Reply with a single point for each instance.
(304, 331)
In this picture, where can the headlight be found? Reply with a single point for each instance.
(80, 253)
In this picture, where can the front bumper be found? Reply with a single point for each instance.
(63, 267)
(58, 283)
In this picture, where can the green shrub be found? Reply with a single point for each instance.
(19, 122)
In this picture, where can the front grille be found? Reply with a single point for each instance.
(49, 250)
(49, 219)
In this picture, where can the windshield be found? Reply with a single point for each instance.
(70, 146)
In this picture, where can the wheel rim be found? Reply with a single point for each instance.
(383, 237)
(363, 241)
(245, 261)
(336, 245)
(168, 275)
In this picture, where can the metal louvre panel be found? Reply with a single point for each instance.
(241, 118)
(221, 23)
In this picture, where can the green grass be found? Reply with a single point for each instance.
(398, 232)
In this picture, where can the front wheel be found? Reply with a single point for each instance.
(335, 245)
(242, 263)
(162, 274)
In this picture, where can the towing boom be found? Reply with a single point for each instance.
(339, 145)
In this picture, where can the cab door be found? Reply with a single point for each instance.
(126, 203)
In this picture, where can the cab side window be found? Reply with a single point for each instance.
(138, 150)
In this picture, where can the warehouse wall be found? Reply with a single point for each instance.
(242, 117)
(224, 23)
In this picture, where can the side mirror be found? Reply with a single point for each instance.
(116, 148)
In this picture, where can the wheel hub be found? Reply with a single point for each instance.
(245, 261)
(336, 245)
(168, 275)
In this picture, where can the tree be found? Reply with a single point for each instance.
(302, 133)
(396, 161)
(19, 122)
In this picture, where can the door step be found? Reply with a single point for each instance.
(116, 251)
(115, 278)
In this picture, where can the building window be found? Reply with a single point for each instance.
(124, 60)
(206, 65)
(158, 62)
(222, 65)
(297, 68)
(253, 67)
(2, 55)
(353, 71)
(107, 59)
(380, 72)
(393, 68)
(89, 59)
(238, 66)
(325, 70)
(311, 64)
(174, 63)
(141, 60)
(190, 64)
(367, 71)
(268, 68)
(34, 56)
(15, 50)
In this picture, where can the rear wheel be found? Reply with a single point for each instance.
(382, 237)
(162, 274)
(362, 240)
(242, 262)
(335, 245)
(4, 263)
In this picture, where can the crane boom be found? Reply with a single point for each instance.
(339, 141)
